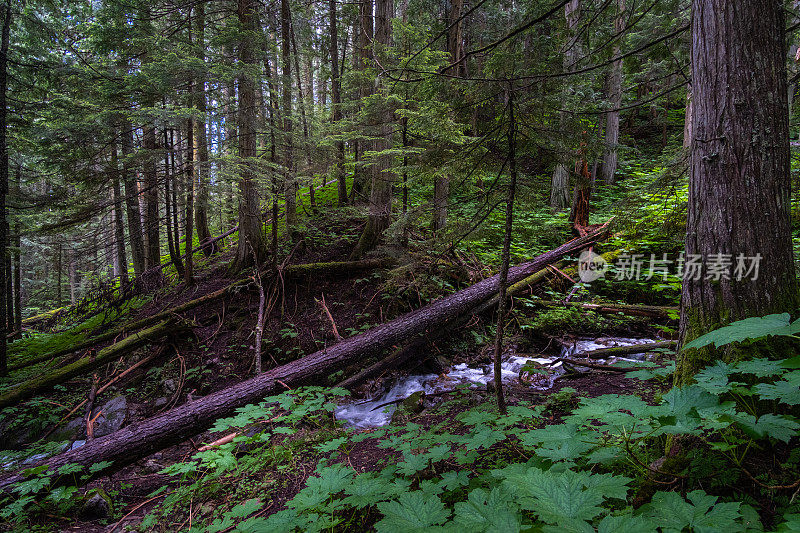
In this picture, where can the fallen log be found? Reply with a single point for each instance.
(140, 440)
(616, 351)
(293, 272)
(33, 386)
(628, 309)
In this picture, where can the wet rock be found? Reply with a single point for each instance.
(160, 402)
(114, 413)
(168, 385)
(97, 505)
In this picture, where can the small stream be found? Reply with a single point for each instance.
(363, 414)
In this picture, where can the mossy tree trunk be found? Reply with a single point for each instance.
(739, 173)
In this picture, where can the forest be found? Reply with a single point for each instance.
(400, 266)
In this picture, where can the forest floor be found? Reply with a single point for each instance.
(219, 353)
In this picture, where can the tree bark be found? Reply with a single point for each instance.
(380, 198)
(609, 167)
(336, 103)
(119, 224)
(4, 43)
(739, 183)
(289, 187)
(505, 254)
(150, 196)
(364, 56)
(559, 185)
(17, 264)
(140, 440)
(201, 137)
(251, 240)
(132, 200)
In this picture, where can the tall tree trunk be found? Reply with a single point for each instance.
(739, 180)
(380, 198)
(132, 200)
(251, 241)
(289, 187)
(364, 48)
(201, 201)
(455, 37)
(119, 224)
(72, 275)
(559, 185)
(609, 168)
(191, 186)
(441, 192)
(150, 196)
(336, 102)
(17, 265)
(4, 42)
(177, 163)
(171, 204)
(59, 269)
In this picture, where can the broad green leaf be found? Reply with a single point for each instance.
(412, 512)
(778, 427)
(625, 523)
(748, 329)
(785, 391)
(493, 512)
(702, 513)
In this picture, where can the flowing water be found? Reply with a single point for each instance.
(366, 414)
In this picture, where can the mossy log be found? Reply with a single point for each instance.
(33, 386)
(133, 442)
(33, 320)
(337, 268)
(628, 309)
(617, 351)
(131, 326)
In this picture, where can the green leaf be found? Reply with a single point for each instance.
(412, 512)
(70, 468)
(413, 463)
(554, 497)
(492, 512)
(625, 523)
(714, 379)
(760, 368)
(785, 391)
(102, 465)
(702, 513)
(748, 329)
(454, 480)
(331, 445)
(557, 442)
(778, 427)
(792, 523)
(368, 489)
(484, 438)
